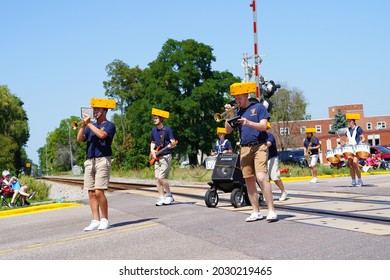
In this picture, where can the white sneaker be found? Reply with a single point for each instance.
(314, 180)
(353, 183)
(255, 216)
(104, 224)
(283, 196)
(160, 201)
(168, 200)
(272, 216)
(359, 183)
(94, 225)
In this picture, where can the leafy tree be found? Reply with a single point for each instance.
(288, 106)
(124, 86)
(61, 146)
(339, 121)
(14, 131)
(181, 81)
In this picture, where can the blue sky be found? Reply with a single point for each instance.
(53, 54)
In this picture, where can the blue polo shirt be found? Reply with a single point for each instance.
(97, 147)
(255, 112)
(156, 137)
(272, 150)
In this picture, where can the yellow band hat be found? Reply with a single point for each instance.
(350, 116)
(242, 88)
(221, 130)
(310, 130)
(160, 113)
(103, 103)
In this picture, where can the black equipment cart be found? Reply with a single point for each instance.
(227, 177)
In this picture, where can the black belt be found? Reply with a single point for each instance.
(252, 144)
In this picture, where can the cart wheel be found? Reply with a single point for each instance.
(211, 198)
(261, 198)
(248, 202)
(237, 198)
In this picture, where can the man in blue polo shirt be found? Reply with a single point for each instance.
(252, 125)
(97, 166)
(161, 143)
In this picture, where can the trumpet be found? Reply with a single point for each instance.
(75, 125)
(228, 114)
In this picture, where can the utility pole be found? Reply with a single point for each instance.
(256, 54)
(70, 150)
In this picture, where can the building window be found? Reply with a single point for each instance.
(369, 126)
(318, 129)
(330, 127)
(284, 131)
(381, 125)
(303, 129)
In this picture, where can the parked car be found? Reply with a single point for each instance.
(293, 157)
(385, 153)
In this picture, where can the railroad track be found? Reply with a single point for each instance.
(113, 186)
(298, 202)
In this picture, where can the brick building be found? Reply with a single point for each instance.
(290, 135)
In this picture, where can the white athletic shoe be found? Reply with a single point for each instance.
(255, 216)
(283, 196)
(94, 225)
(104, 224)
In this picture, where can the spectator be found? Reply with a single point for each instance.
(13, 183)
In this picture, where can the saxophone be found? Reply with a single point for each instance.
(308, 152)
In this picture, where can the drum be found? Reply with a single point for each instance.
(338, 152)
(348, 150)
(362, 150)
(331, 157)
(210, 162)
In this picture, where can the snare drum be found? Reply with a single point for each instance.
(338, 152)
(348, 150)
(363, 150)
(331, 157)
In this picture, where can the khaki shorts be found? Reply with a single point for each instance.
(97, 173)
(313, 160)
(162, 167)
(273, 169)
(254, 159)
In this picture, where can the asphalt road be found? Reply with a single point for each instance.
(188, 230)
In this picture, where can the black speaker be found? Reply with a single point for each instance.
(227, 169)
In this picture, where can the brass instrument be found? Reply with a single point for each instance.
(75, 125)
(228, 114)
(308, 151)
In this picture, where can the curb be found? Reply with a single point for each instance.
(35, 209)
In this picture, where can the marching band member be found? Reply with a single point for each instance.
(311, 145)
(97, 167)
(354, 135)
(253, 120)
(222, 146)
(162, 138)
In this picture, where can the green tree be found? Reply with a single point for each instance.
(181, 81)
(124, 87)
(339, 121)
(62, 148)
(288, 106)
(14, 130)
